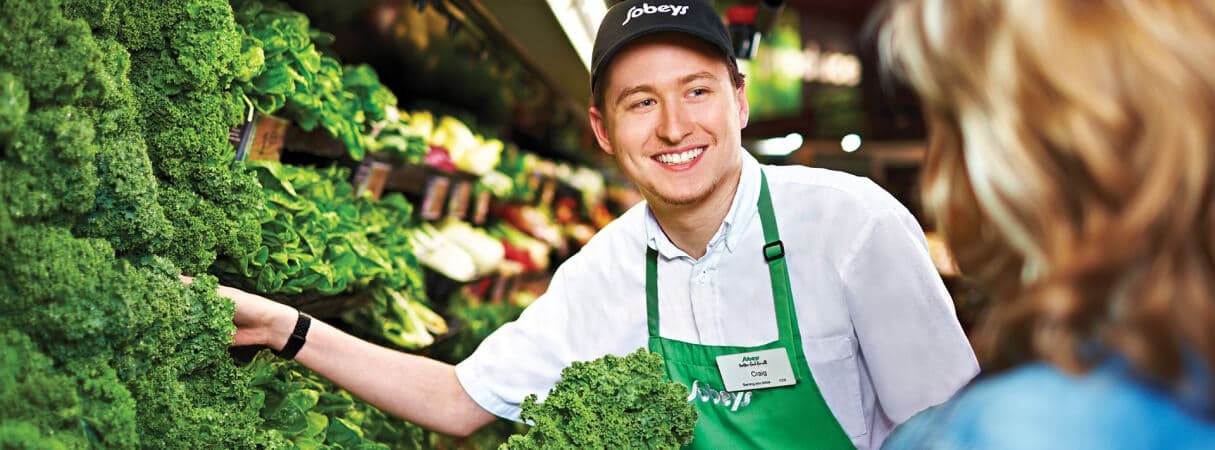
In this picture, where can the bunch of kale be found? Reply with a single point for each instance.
(611, 402)
(112, 141)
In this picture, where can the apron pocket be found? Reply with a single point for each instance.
(834, 364)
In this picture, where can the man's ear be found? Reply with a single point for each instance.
(744, 108)
(600, 129)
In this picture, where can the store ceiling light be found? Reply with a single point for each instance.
(851, 143)
(779, 146)
(580, 21)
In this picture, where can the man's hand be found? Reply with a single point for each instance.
(259, 321)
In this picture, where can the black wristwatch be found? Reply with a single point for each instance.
(298, 337)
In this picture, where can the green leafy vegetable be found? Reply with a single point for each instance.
(403, 139)
(127, 211)
(136, 359)
(611, 402)
(14, 103)
(40, 405)
(397, 319)
(310, 412)
(302, 84)
(115, 176)
(316, 236)
(184, 55)
(371, 96)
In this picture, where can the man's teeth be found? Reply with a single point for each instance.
(682, 157)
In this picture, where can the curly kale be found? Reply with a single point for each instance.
(54, 177)
(138, 342)
(56, 288)
(611, 402)
(108, 411)
(58, 64)
(54, 62)
(54, 58)
(144, 358)
(64, 293)
(184, 55)
(38, 404)
(188, 392)
(79, 406)
(14, 103)
(116, 174)
(127, 210)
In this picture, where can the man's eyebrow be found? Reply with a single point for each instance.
(702, 75)
(633, 90)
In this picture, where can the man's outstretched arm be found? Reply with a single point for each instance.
(415, 388)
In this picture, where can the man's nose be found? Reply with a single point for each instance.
(676, 124)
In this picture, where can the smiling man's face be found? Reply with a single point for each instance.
(672, 118)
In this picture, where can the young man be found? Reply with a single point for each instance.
(820, 278)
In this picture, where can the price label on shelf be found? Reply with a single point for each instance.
(503, 285)
(370, 178)
(533, 182)
(481, 208)
(548, 192)
(268, 132)
(435, 197)
(460, 197)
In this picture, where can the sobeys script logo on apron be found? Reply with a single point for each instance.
(732, 401)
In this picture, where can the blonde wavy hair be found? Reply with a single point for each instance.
(1070, 163)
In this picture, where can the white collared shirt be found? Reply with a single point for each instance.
(878, 326)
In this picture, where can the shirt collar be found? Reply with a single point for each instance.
(732, 227)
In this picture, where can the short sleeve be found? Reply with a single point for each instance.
(575, 320)
(913, 345)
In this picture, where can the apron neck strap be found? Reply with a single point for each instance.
(651, 289)
(778, 271)
(773, 253)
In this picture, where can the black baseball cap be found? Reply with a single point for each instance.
(631, 19)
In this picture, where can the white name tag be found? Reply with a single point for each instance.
(756, 370)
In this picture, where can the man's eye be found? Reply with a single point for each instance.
(644, 103)
(699, 92)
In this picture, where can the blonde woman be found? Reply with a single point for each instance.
(1071, 168)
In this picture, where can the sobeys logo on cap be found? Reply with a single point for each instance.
(645, 8)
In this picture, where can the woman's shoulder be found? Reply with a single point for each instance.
(1039, 407)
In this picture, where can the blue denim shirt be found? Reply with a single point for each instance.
(1038, 407)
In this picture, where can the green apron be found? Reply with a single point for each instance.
(793, 416)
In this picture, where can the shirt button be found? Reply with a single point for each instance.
(704, 277)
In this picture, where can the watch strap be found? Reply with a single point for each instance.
(298, 337)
